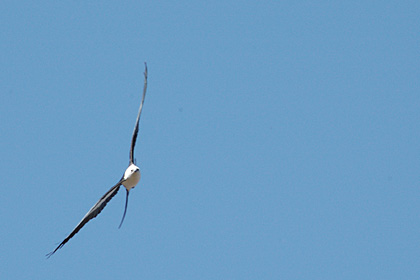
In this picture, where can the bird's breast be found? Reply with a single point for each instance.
(132, 180)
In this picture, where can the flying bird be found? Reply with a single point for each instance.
(129, 180)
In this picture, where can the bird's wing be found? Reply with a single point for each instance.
(136, 127)
(93, 212)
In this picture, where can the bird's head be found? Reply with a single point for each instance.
(130, 171)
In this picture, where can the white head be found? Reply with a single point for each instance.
(130, 171)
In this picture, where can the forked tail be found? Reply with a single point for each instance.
(125, 209)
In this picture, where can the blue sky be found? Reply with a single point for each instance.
(278, 140)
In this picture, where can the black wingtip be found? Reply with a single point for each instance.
(52, 253)
(145, 71)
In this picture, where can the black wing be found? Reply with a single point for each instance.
(93, 212)
(136, 127)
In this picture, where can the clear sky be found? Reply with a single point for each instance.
(278, 140)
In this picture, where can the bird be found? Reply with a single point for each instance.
(129, 180)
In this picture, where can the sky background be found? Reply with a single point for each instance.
(278, 139)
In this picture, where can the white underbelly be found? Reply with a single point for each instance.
(132, 181)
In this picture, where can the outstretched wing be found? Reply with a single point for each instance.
(136, 127)
(93, 212)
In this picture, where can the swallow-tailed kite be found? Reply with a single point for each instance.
(129, 180)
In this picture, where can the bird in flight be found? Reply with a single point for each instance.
(129, 180)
